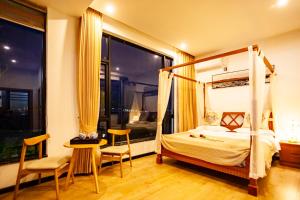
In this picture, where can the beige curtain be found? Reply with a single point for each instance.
(186, 95)
(89, 80)
(164, 89)
(257, 74)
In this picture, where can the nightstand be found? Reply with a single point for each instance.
(290, 154)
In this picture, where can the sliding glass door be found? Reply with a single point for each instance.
(129, 88)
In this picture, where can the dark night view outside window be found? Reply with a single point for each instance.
(21, 88)
(131, 80)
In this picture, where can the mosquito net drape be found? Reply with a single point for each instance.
(164, 89)
(257, 74)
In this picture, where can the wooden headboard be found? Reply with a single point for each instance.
(234, 120)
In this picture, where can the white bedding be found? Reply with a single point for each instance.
(220, 147)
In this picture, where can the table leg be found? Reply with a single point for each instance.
(95, 169)
(71, 168)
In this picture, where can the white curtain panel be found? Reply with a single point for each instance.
(200, 103)
(273, 96)
(257, 74)
(164, 89)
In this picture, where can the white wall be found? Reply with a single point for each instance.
(62, 35)
(283, 51)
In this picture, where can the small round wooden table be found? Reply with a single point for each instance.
(93, 148)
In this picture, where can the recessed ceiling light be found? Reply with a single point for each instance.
(117, 68)
(155, 56)
(110, 8)
(183, 46)
(13, 60)
(6, 47)
(281, 3)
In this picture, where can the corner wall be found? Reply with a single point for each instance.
(61, 121)
(283, 51)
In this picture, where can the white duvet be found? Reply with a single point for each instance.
(218, 146)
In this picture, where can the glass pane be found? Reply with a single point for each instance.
(21, 88)
(104, 49)
(134, 87)
(102, 127)
(102, 91)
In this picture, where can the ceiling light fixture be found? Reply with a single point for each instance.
(6, 47)
(110, 9)
(155, 56)
(117, 68)
(13, 60)
(183, 46)
(281, 3)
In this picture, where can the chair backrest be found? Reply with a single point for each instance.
(30, 142)
(114, 132)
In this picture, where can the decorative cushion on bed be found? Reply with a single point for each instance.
(213, 118)
(264, 123)
(143, 116)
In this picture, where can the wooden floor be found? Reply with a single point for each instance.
(172, 180)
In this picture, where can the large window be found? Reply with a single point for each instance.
(22, 88)
(129, 88)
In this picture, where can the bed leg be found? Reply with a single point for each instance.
(253, 187)
(159, 159)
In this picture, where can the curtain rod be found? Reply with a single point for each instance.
(186, 78)
(255, 48)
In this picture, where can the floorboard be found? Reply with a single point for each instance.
(172, 180)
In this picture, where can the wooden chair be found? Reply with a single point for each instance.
(116, 153)
(41, 165)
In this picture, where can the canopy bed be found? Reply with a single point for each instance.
(228, 148)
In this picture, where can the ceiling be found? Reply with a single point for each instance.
(205, 25)
(67, 6)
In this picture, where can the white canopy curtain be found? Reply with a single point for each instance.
(257, 74)
(164, 89)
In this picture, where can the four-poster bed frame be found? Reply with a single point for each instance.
(242, 172)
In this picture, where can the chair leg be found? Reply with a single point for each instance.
(100, 164)
(73, 178)
(56, 183)
(121, 170)
(40, 178)
(130, 160)
(17, 186)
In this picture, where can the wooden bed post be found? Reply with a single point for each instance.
(159, 159)
(253, 187)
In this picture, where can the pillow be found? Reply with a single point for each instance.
(213, 118)
(246, 122)
(212, 128)
(264, 122)
(143, 116)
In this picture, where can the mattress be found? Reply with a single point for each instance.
(219, 147)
